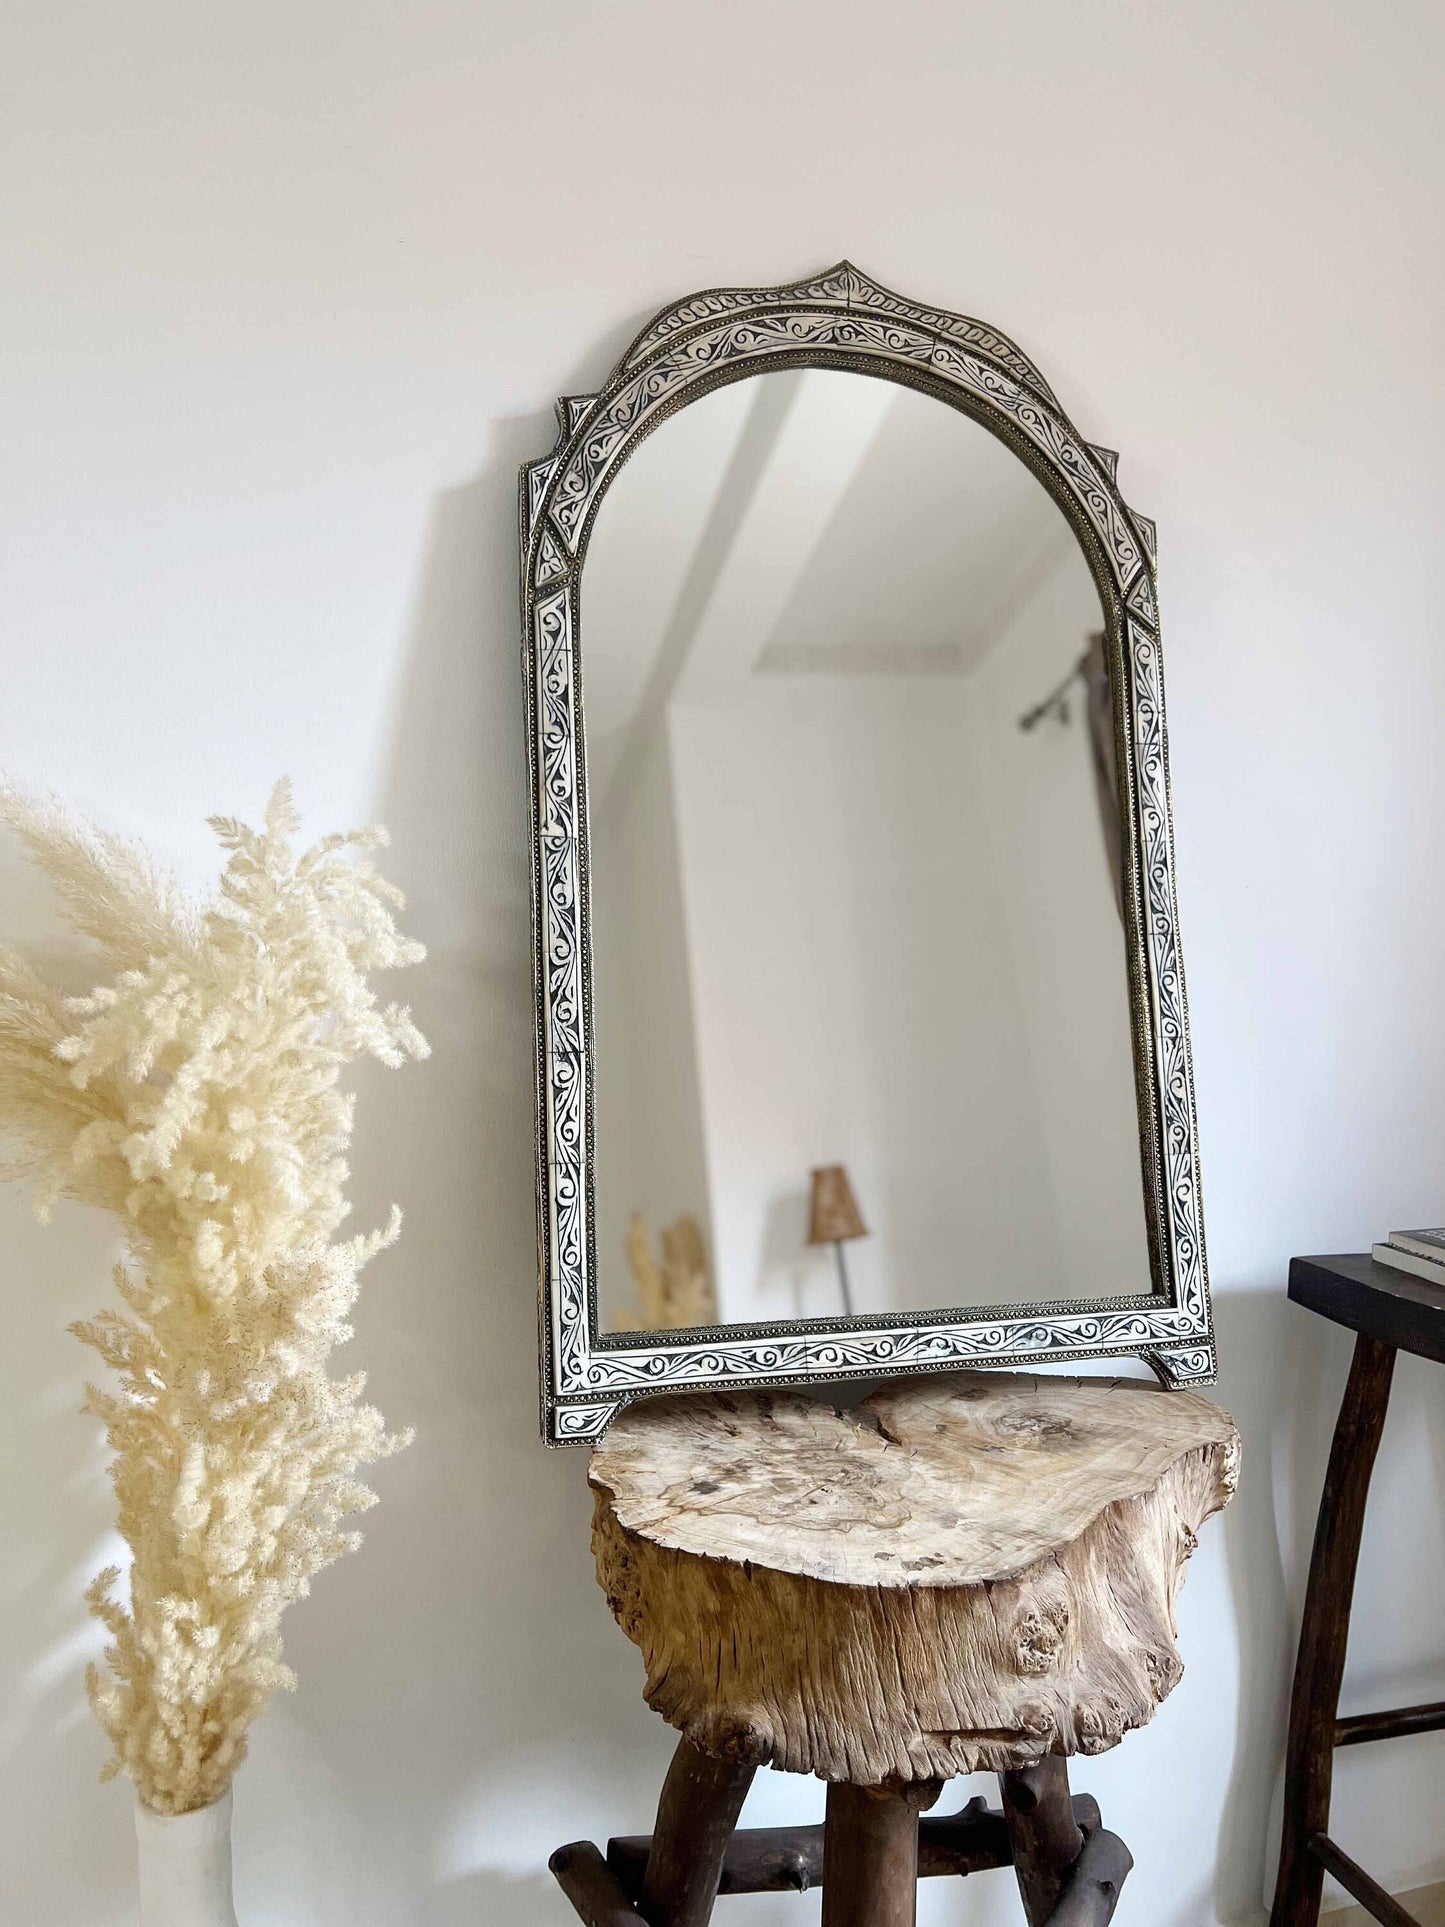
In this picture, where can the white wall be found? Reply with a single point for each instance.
(649, 1155)
(855, 999)
(288, 292)
(1038, 795)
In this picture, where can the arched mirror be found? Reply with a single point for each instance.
(861, 1032)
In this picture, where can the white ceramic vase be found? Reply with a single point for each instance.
(185, 1866)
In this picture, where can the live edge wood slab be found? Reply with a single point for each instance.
(961, 1574)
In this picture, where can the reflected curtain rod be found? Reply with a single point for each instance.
(1054, 702)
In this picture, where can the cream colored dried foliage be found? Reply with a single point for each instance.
(196, 1096)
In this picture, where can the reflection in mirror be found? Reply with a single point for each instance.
(860, 999)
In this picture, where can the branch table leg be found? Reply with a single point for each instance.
(1045, 1835)
(1325, 1632)
(1091, 1886)
(592, 1887)
(870, 1853)
(701, 1800)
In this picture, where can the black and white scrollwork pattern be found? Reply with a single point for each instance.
(838, 319)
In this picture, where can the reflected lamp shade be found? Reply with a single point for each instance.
(834, 1216)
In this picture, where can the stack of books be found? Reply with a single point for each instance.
(1420, 1252)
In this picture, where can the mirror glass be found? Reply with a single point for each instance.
(861, 1014)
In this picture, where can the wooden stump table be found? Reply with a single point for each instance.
(963, 1574)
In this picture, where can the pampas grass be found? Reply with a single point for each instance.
(195, 1094)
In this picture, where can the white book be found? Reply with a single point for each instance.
(1424, 1244)
(1425, 1260)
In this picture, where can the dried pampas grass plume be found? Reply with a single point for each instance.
(195, 1094)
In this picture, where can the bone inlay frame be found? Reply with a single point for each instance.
(842, 320)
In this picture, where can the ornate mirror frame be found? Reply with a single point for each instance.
(839, 319)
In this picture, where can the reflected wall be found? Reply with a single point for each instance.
(853, 901)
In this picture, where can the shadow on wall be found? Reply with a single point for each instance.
(56, 1520)
(464, 1686)
(488, 1897)
(1255, 1358)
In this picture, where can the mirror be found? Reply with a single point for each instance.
(860, 994)
(861, 1040)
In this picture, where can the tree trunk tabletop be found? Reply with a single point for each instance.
(961, 1573)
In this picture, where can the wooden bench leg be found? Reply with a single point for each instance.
(701, 1800)
(870, 1853)
(1043, 1832)
(1325, 1631)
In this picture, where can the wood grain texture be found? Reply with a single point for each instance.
(963, 1574)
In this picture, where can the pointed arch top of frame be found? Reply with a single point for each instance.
(852, 292)
(845, 318)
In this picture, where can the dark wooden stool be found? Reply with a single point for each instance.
(1391, 1311)
(966, 1574)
